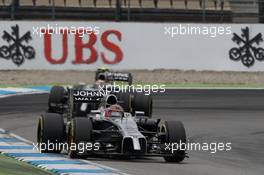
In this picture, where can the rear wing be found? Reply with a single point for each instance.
(119, 76)
(87, 96)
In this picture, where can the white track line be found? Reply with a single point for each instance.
(25, 142)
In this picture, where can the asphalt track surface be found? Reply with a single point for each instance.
(235, 116)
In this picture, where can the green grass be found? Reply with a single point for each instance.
(10, 166)
(175, 85)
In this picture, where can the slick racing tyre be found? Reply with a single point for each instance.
(56, 99)
(174, 134)
(142, 102)
(80, 131)
(50, 132)
(125, 101)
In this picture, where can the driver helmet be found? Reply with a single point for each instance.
(101, 80)
(114, 111)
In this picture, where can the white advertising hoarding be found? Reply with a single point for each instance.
(87, 45)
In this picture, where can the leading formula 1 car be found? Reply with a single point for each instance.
(116, 132)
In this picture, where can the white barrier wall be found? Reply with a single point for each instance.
(73, 45)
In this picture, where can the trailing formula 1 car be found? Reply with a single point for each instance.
(109, 130)
(131, 101)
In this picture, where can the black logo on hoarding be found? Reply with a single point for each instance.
(17, 49)
(247, 51)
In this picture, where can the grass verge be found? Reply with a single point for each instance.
(179, 86)
(10, 166)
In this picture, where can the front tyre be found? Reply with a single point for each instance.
(80, 131)
(174, 133)
(50, 132)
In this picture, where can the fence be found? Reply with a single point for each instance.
(119, 10)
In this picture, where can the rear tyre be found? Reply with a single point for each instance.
(142, 102)
(80, 131)
(175, 133)
(125, 101)
(50, 132)
(56, 99)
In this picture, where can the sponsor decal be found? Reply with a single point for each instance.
(248, 49)
(80, 46)
(17, 48)
(88, 95)
(56, 50)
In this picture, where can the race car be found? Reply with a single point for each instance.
(131, 101)
(109, 131)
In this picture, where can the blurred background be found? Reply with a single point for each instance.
(231, 11)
